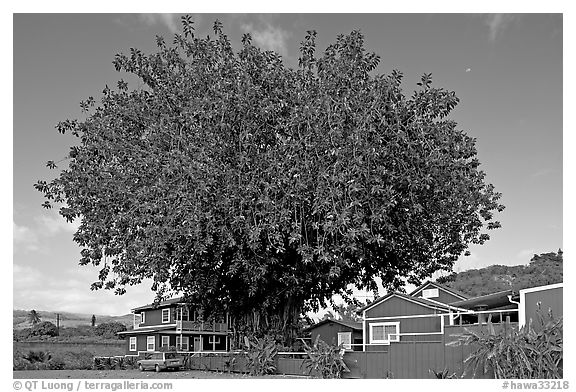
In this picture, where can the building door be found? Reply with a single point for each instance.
(197, 343)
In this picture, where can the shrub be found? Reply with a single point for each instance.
(82, 330)
(45, 328)
(33, 360)
(130, 362)
(324, 359)
(517, 354)
(260, 355)
(444, 374)
(110, 330)
(21, 334)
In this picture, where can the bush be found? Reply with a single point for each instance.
(38, 360)
(110, 330)
(324, 359)
(260, 355)
(77, 331)
(517, 354)
(33, 360)
(45, 328)
(21, 334)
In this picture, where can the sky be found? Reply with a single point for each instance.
(507, 70)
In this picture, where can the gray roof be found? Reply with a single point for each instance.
(349, 324)
(490, 301)
(157, 305)
(423, 301)
(441, 286)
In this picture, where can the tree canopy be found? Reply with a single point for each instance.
(34, 317)
(263, 190)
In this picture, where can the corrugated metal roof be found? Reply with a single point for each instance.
(489, 301)
(422, 301)
(349, 324)
(171, 301)
(145, 330)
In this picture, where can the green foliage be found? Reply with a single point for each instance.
(21, 334)
(444, 374)
(229, 176)
(34, 317)
(324, 359)
(44, 328)
(542, 270)
(526, 353)
(110, 330)
(38, 360)
(347, 312)
(260, 355)
(168, 349)
(84, 331)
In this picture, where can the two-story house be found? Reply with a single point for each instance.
(174, 323)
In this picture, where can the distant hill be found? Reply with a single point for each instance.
(67, 319)
(543, 269)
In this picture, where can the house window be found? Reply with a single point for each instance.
(165, 315)
(182, 314)
(182, 345)
(132, 346)
(384, 332)
(212, 339)
(143, 318)
(430, 293)
(150, 343)
(165, 341)
(345, 339)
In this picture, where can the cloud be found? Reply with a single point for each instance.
(169, 20)
(541, 173)
(525, 255)
(24, 238)
(53, 224)
(69, 291)
(498, 23)
(268, 37)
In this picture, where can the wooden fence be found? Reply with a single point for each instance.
(416, 359)
(237, 363)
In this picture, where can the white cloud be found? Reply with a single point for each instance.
(269, 37)
(21, 233)
(70, 292)
(168, 20)
(24, 238)
(498, 23)
(53, 224)
(525, 255)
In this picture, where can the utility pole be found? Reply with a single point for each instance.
(58, 323)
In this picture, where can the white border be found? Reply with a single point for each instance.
(384, 324)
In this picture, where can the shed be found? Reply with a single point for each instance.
(336, 332)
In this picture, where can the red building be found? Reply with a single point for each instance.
(173, 323)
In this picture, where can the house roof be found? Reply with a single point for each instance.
(144, 330)
(157, 305)
(488, 301)
(349, 324)
(418, 300)
(440, 286)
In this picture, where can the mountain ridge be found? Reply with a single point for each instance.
(67, 319)
(543, 269)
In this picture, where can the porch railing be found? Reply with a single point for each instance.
(201, 326)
